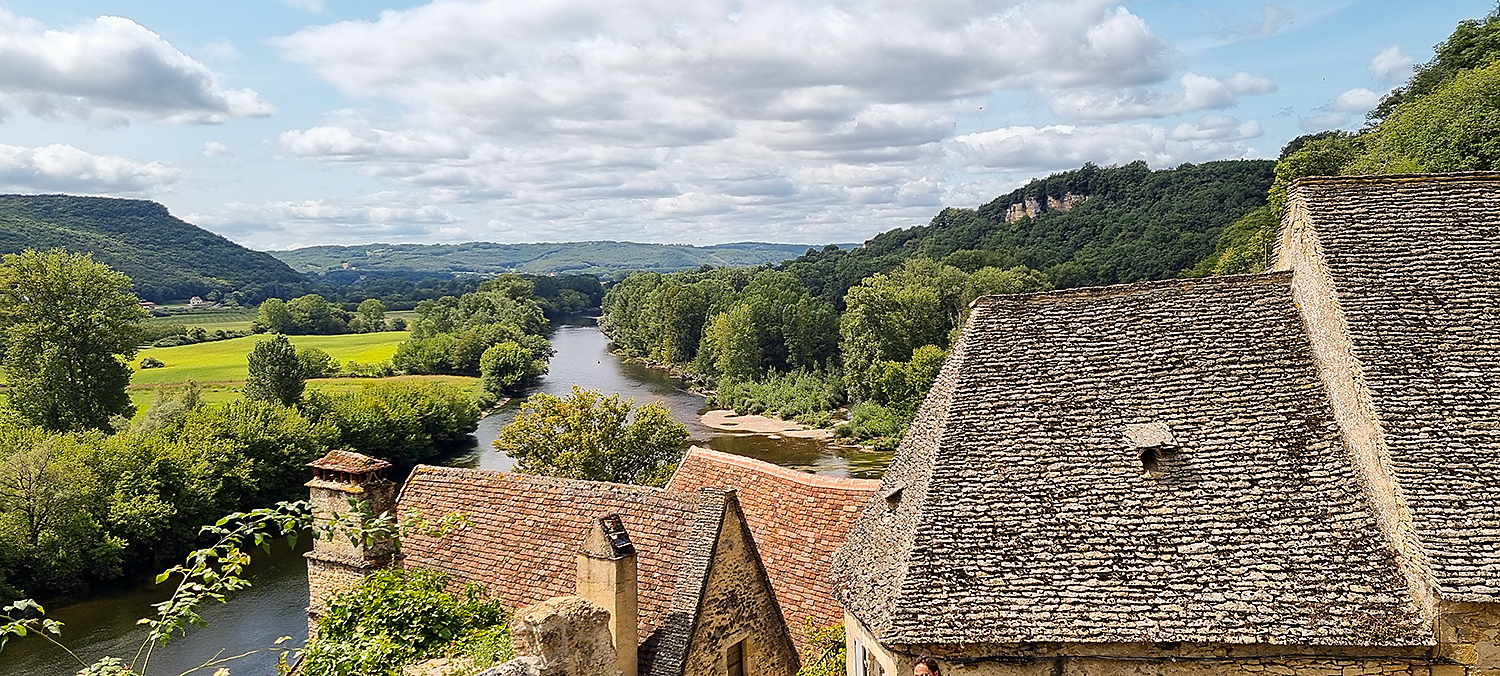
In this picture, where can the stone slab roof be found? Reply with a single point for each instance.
(1414, 263)
(525, 532)
(348, 461)
(799, 521)
(1020, 507)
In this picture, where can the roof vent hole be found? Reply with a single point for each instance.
(1149, 459)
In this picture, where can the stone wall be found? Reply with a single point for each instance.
(335, 565)
(1469, 633)
(738, 605)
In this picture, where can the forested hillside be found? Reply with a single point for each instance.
(581, 258)
(1084, 227)
(166, 257)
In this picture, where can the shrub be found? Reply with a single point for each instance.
(398, 617)
(151, 363)
(804, 396)
(402, 421)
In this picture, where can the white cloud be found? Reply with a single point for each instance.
(222, 50)
(659, 73)
(1216, 128)
(1199, 92)
(1358, 100)
(1064, 146)
(1322, 121)
(212, 149)
(287, 224)
(783, 120)
(344, 143)
(64, 168)
(109, 71)
(1391, 66)
(1270, 22)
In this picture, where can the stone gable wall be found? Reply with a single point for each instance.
(738, 605)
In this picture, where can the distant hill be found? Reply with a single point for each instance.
(593, 258)
(166, 257)
(1085, 227)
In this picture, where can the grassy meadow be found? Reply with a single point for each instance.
(219, 367)
(226, 319)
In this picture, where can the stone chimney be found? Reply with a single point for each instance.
(336, 565)
(606, 576)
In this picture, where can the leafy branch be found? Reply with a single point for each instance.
(216, 571)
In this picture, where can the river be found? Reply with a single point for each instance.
(275, 605)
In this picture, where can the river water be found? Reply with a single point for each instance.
(275, 604)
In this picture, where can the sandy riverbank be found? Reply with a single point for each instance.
(727, 421)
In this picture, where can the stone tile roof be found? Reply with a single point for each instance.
(348, 461)
(525, 532)
(1019, 508)
(799, 521)
(1414, 263)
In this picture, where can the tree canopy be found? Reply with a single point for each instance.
(590, 436)
(71, 327)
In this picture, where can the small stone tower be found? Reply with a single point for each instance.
(337, 564)
(606, 576)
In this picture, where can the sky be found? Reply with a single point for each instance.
(282, 124)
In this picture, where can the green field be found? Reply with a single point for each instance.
(224, 361)
(142, 395)
(228, 320)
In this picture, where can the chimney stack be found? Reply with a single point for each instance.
(606, 576)
(338, 564)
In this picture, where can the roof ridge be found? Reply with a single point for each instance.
(1116, 290)
(763, 467)
(543, 479)
(1371, 179)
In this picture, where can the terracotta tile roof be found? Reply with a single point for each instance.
(799, 521)
(348, 461)
(1414, 265)
(1019, 507)
(525, 532)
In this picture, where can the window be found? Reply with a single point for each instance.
(865, 663)
(735, 659)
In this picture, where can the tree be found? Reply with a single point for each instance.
(589, 436)
(315, 363)
(372, 311)
(274, 317)
(504, 366)
(72, 325)
(275, 373)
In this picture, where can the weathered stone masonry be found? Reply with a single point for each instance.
(1295, 473)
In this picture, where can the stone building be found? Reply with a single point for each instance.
(1294, 473)
(799, 521)
(336, 564)
(702, 602)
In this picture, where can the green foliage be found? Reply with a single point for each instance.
(506, 366)
(879, 426)
(274, 372)
(150, 363)
(1473, 44)
(398, 617)
(1124, 224)
(889, 317)
(1455, 127)
(310, 314)
(451, 335)
(71, 325)
(804, 396)
(166, 258)
(371, 316)
(590, 436)
(823, 653)
(315, 363)
(402, 421)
